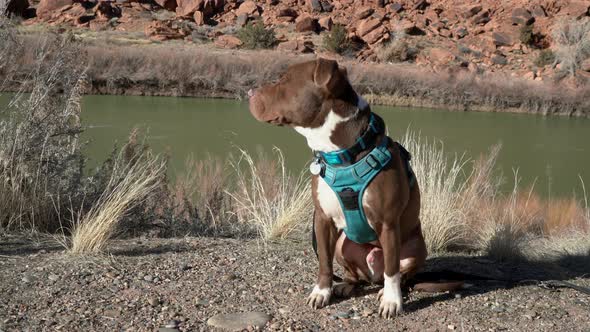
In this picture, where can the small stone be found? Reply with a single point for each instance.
(239, 321)
(172, 324)
(148, 278)
(283, 311)
(201, 302)
(28, 278)
(229, 277)
(342, 314)
(451, 327)
(275, 326)
(53, 277)
(367, 312)
(154, 301)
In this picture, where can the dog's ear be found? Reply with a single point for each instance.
(329, 76)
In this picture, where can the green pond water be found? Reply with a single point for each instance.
(551, 152)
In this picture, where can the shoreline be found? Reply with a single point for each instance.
(177, 69)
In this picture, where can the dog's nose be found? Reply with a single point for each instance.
(250, 93)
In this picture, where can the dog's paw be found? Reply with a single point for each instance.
(319, 298)
(389, 308)
(342, 289)
(390, 297)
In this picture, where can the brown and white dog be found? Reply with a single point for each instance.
(317, 100)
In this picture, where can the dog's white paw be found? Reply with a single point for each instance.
(342, 289)
(391, 297)
(319, 298)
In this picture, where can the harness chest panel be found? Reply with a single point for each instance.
(349, 184)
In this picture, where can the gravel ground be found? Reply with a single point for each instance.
(178, 284)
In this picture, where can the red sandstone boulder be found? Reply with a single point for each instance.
(501, 39)
(307, 24)
(521, 16)
(440, 56)
(47, 7)
(585, 65)
(227, 41)
(367, 25)
(375, 36)
(326, 23)
(167, 4)
(188, 7)
(248, 8)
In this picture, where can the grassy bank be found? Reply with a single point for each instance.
(130, 67)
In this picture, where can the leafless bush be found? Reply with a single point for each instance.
(40, 159)
(572, 39)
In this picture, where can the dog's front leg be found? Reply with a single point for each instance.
(391, 294)
(326, 241)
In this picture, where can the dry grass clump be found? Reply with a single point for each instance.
(132, 179)
(397, 50)
(269, 198)
(572, 44)
(439, 181)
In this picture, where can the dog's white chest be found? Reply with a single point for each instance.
(330, 204)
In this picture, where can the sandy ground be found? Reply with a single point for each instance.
(148, 284)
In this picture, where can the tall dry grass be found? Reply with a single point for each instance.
(440, 181)
(132, 179)
(269, 198)
(463, 209)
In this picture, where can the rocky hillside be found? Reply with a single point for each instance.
(511, 36)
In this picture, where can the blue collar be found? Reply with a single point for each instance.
(367, 141)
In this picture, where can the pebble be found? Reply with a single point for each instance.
(28, 278)
(53, 277)
(239, 321)
(367, 312)
(172, 324)
(153, 301)
(147, 277)
(283, 311)
(342, 314)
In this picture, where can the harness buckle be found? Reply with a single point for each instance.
(373, 162)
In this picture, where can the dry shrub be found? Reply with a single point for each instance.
(397, 50)
(572, 44)
(40, 160)
(132, 179)
(276, 206)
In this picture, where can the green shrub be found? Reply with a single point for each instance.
(336, 40)
(527, 36)
(546, 57)
(255, 36)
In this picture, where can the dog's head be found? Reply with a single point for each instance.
(304, 95)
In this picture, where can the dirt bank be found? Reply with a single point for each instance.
(146, 284)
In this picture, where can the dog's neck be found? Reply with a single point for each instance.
(338, 132)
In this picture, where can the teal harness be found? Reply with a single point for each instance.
(350, 180)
